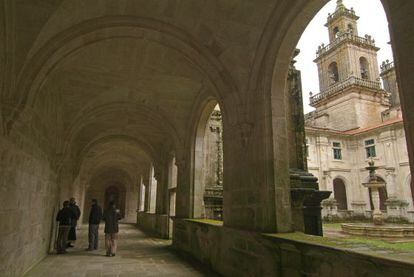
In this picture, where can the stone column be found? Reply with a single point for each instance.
(305, 194)
(141, 195)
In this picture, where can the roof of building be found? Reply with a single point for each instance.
(356, 131)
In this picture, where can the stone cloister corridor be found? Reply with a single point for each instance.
(138, 255)
(111, 99)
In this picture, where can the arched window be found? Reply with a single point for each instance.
(336, 32)
(351, 29)
(364, 68)
(333, 73)
(340, 193)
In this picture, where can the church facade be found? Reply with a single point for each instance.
(357, 119)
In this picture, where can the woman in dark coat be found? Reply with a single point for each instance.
(111, 217)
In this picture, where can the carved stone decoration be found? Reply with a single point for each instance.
(305, 195)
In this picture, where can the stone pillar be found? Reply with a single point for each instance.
(141, 197)
(184, 196)
(256, 193)
(402, 38)
(161, 191)
(305, 194)
(152, 190)
(396, 208)
(147, 197)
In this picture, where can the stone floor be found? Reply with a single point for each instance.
(137, 255)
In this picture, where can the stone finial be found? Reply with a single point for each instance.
(371, 162)
(340, 4)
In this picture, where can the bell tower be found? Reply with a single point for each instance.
(342, 20)
(349, 79)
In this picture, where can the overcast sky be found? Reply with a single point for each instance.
(372, 21)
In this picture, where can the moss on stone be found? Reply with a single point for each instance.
(403, 251)
(207, 221)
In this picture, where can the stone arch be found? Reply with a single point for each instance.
(278, 48)
(46, 60)
(98, 188)
(116, 193)
(340, 194)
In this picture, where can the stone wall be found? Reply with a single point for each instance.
(153, 223)
(28, 197)
(233, 252)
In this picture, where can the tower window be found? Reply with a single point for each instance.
(337, 150)
(364, 67)
(336, 32)
(333, 73)
(351, 29)
(370, 148)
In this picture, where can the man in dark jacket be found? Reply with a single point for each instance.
(76, 211)
(111, 217)
(95, 217)
(65, 217)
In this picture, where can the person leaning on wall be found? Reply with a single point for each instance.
(65, 217)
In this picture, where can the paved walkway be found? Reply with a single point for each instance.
(137, 255)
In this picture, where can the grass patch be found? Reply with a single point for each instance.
(336, 226)
(349, 243)
(400, 246)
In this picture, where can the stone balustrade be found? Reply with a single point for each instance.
(339, 86)
(386, 65)
(346, 37)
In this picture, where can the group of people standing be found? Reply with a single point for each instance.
(68, 218)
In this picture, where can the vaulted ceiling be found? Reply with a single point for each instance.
(117, 83)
